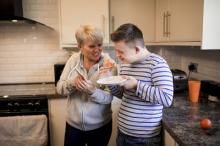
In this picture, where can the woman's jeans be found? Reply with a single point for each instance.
(97, 137)
(126, 140)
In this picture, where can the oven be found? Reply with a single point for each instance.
(24, 120)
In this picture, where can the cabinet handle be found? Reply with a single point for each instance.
(103, 24)
(164, 24)
(168, 23)
(113, 24)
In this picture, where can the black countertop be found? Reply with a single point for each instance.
(182, 121)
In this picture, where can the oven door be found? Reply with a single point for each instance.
(28, 130)
(24, 121)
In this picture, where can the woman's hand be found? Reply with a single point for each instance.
(88, 86)
(78, 82)
(84, 85)
(108, 69)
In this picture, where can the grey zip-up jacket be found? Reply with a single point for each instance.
(85, 112)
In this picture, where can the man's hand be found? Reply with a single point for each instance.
(130, 83)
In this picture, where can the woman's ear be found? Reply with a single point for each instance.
(79, 46)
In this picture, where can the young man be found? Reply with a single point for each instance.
(149, 88)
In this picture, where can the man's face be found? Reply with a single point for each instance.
(125, 53)
(92, 51)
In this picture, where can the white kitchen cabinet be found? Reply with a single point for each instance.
(115, 108)
(74, 13)
(138, 12)
(168, 139)
(211, 24)
(179, 20)
(57, 120)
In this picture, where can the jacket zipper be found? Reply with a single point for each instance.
(83, 125)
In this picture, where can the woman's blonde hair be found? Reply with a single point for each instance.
(88, 33)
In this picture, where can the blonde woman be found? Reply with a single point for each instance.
(89, 115)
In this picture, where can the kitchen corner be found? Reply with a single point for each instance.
(181, 122)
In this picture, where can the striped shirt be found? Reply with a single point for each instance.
(140, 112)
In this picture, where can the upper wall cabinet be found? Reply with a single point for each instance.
(74, 13)
(140, 13)
(211, 24)
(179, 20)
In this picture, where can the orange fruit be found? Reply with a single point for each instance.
(205, 123)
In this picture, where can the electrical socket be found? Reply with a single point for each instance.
(193, 67)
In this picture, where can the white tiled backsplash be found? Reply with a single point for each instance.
(170, 54)
(28, 51)
(181, 56)
(208, 63)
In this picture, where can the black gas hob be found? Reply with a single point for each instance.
(23, 105)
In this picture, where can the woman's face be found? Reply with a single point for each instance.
(92, 51)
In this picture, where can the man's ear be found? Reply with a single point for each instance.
(137, 49)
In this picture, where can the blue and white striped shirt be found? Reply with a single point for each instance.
(140, 112)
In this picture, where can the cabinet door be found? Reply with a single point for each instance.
(168, 140)
(140, 13)
(185, 20)
(179, 20)
(115, 109)
(211, 23)
(57, 119)
(161, 20)
(80, 12)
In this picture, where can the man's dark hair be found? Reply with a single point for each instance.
(129, 33)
